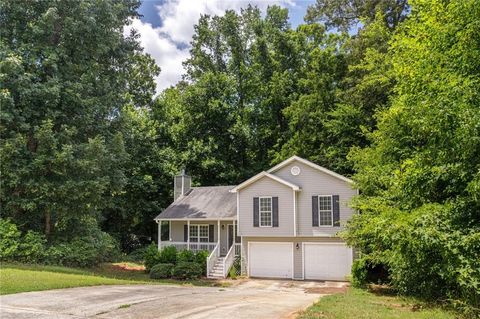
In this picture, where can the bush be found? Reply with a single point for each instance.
(15, 247)
(160, 271)
(168, 255)
(201, 259)
(365, 271)
(152, 256)
(138, 255)
(84, 251)
(185, 256)
(9, 239)
(187, 270)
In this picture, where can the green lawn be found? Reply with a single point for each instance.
(21, 278)
(360, 304)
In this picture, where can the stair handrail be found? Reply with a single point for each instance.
(212, 258)
(228, 261)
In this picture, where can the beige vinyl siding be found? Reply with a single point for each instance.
(266, 187)
(314, 182)
(297, 253)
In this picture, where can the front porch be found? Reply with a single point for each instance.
(216, 236)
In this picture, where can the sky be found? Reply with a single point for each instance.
(166, 28)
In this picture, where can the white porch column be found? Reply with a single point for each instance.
(188, 234)
(159, 223)
(218, 237)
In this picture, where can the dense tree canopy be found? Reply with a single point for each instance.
(384, 91)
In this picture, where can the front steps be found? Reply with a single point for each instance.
(217, 270)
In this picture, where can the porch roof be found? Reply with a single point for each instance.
(211, 202)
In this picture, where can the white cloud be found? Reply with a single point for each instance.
(169, 44)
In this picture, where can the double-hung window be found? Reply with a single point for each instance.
(199, 233)
(325, 210)
(265, 211)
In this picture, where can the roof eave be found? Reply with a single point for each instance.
(261, 175)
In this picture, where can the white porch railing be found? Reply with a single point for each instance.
(212, 258)
(195, 246)
(230, 258)
(238, 249)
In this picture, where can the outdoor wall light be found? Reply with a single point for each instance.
(223, 227)
(297, 246)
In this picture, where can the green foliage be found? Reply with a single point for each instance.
(186, 256)
(187, 270)
(28, 248)
(419, 178)
(152, 256)
(9, 239)
(365, 270)
(85, 251)
(160, 271)
(169, 255)
(201, 257)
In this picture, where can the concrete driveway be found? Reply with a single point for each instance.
(248, 299)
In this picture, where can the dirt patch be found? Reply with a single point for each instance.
(326, 290)
(128, 267)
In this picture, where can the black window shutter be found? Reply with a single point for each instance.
(185, 233)
(255, 212)
(211, 233)
(315, 211)
(275, 211)
(336, 210)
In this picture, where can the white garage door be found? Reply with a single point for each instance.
(274, 260)
(327, 261)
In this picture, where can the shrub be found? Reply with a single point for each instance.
(32, 248)
(160, 271)
(13, 246)
(138, 255)
(152, 256)
(185, 256)
(84, 251)
(9, 239)
(201, 259)
(187, 270)
(365, 270)
(168, 255)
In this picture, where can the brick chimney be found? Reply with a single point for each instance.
(181, 184)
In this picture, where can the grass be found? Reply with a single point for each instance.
(16, 278)
(361, 304)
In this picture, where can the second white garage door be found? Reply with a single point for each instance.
(327, 261)
(271, 260)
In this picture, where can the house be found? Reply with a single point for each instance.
(283, 223)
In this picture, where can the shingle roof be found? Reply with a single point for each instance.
(212, 202)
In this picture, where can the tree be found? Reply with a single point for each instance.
(67, 71)
(419, 180)
(346, 14)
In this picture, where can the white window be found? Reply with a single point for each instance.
(325, 210)
(199, 233)
(265, 212)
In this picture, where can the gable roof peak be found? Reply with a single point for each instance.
(312, 165)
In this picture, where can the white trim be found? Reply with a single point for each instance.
(271, 212)
(238, 210)
(218, 238)
(294, 214)
(188, 234)
(259, 176)
(313, 165)
(195, 219)
(198, 232)
(318, 209)
(303, 260)
(271, 242)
